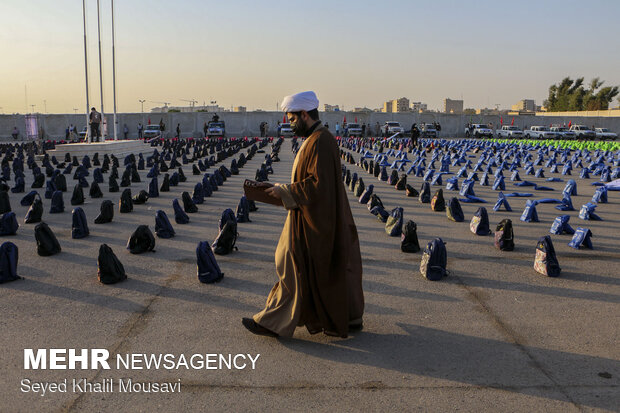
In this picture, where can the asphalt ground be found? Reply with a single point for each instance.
(493, 336)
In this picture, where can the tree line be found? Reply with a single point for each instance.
(571, 95)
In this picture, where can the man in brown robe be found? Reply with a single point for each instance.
(318, 258)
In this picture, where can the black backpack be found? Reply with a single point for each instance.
(479, 224)
(5, 204)
(411, 191)
(61, 183)
(188, 203)
(95, 191)
(243, 210)
(425, 193)
(38, 182)
(374, 201)
(113, 185)
(504, 236)
(109, 269)
(47, 243)
(226, 239)
(163, 228)
(394, 224)
(546, 261)
(8, 224)
(165, 185)
(409, 238)
(125, 204)
(58, 205)
(208, 269)
(9, 255)
(359, 188)
(79, 228)
(141, 198)
(106, 212)
(454, 212)
(35, 212)
(29, 198)
(180, 217)
(434, 260)
(438, 203)
(142, 240)
(402, 183)
(198, 196)
(78, 195)
(153, 188)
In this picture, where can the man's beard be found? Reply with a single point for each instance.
(300, 128)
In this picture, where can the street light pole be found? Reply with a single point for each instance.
(142, 104)
(89, 138)
(100, 69)
(114, 75)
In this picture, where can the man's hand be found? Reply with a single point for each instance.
(273, 192)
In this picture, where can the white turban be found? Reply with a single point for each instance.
(300, 101)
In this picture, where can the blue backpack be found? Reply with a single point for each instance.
(208, 269)
(79, 228)
(452, 184)
(243, 210)
(546, 261)
(163, 228)
(560, 226)
(570, 188)
(567, 204)
(581, 239)
(8, 224)
(434, 260)
(529, 213)
(394, 223)
(479, 223)
(502, 201)
(467, 188)
(9, 255)
(499, 184)
(515, 176)
(600, 195)
(587, 212)
(180, 217)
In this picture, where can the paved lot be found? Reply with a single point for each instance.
(493, 336)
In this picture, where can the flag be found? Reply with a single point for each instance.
(345, 120)
(513, 122)
(570, 122)
(149, 120)
(284, 119)
(501, 120)
(356, 119)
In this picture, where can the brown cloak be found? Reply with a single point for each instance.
(318, 257)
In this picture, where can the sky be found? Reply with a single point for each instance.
(253, 53)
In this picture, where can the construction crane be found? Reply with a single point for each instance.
(192, 102)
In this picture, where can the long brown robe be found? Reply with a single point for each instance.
(318, 258)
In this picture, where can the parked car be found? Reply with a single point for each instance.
(217, 129)
(563, 133)
(540, 132)
(82, 133)
(427, 130)
(509, 131)
(152, 131)
(353, 129)
(583, 132)
(390, 128)
(605, 134)
(479, 130)
(285, 130)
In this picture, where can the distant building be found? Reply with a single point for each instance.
(452, 106)
(487, 111)
(240, 109)
(330, 108)
(524, 105)
(387, 107)
(364, 110)
(396, 105)
(418, 107)
(469, 111)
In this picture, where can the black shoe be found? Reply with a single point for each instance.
(256, 328)
(358, 326)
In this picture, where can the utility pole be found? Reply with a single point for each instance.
(100, 70)
(114, 75)
(86, 69)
